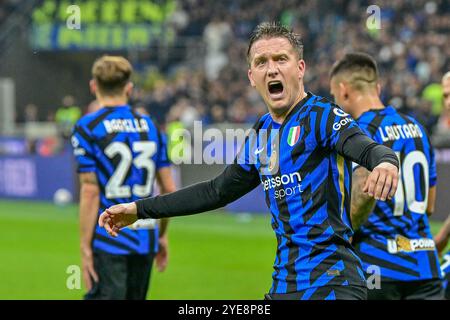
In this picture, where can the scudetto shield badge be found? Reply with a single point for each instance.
(294, 135)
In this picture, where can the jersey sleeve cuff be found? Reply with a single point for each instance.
(85, 169)
(141, 209)
(163, 165)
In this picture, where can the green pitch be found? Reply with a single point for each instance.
(212, 256)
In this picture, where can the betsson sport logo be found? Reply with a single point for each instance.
(346, 119)
(284, 185)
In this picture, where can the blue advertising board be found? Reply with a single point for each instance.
(33, 177)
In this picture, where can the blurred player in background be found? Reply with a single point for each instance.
(306, 179)
(443, 236)
(119, 153)
(444, 120)
(394, 235)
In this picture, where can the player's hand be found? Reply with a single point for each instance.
(118, 216)
(87, 265)
(162, 257)
(382, 181)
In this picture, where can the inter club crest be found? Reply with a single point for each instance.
(273, 160)
(294, 135)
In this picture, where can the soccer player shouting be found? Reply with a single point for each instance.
(393, 235)
(306, 178)
(119, 153)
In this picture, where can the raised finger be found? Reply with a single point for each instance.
(371, 182)
(379, 185)
(103, 218)
(394, 186)
(386, 188)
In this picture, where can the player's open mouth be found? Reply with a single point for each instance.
(275, 89)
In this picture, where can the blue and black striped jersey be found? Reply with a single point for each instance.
(307, 187)
(124, 149)
(397, 235)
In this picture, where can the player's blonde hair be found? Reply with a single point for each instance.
(446, 76)
(111, 73)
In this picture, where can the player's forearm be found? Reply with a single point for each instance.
(193, 199)
(361, 149)
(89, 204)
(445, 230)
(163, 224)
(232, 184)
(360, 209)
(362, 204)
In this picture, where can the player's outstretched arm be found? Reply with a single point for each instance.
(232, 184)
(381, 183)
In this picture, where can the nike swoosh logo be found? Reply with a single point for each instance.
(258, 151)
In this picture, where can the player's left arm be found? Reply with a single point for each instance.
(443, 236)
(339, 131)
(88, 210)
(383, 163)
(431, 200)
(89, 199)
(362, 204)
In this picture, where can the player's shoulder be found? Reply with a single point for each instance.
(373, 119)
(154, 128)
(419, 125)
(150, 120)
(153, 125)
(410, 118)
(262, 122)
(321, 105)
(86, 120)
(401, 117)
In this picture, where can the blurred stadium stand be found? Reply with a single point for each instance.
(189, 56)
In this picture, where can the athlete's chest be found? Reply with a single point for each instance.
(285, 148)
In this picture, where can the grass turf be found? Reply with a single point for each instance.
(212, 256)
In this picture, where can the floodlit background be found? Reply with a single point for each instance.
(189, 61)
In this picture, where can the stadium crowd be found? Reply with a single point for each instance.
(411, 47)
(7, 7)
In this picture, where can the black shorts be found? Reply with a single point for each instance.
(447, 288)
(408, 290)
(323, 293)
(121, 277)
